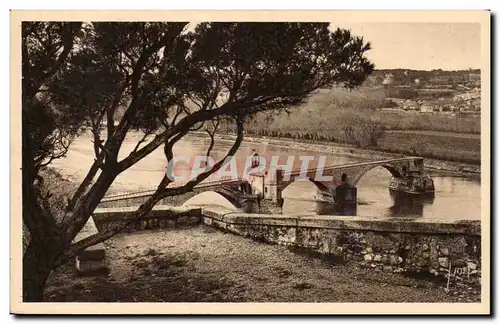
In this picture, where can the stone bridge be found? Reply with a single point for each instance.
(138, 197)
(225, 192)
(272, 183)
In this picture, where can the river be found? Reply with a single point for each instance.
(456, 197)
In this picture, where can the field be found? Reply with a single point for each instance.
(325, 108)
(347, 117)
(464, 149)
(454, 147)
(440, 123)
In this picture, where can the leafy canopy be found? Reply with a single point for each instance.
(159, 72)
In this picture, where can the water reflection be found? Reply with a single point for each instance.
(407, 205)
(445, 184)
(454, 198)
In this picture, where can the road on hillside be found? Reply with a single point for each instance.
(435, 133)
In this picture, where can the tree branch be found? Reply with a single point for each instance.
(169, 145)
(67, 37)
(212, 135)
(138, 70)
(216, 167)
(142, 140)
(160, 194)
(184, 124)
(87, 181)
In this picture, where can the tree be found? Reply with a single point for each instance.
(165, 82)
(45, 137)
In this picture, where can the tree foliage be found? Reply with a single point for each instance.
(45, 49)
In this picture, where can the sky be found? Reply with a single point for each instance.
(418, 45)
(421, 46)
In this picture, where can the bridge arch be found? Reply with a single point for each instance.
(392, 170)
(305, 188)
(306, 196)
(214, 197)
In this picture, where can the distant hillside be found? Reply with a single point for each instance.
(328, 111)
(470, 77)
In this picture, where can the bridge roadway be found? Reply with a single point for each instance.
(140, 194)
(275, 183)
(360, 164)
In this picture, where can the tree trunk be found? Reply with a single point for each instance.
(38, 262)
(84, 208)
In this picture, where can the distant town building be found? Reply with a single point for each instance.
(389, 79)
(474, 77)
(426, 108)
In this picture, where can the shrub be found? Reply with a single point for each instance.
(359, 129)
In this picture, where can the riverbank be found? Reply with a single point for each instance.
(350, 151)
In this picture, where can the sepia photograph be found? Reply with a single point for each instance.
(217, 162)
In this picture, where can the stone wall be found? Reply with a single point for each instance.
(391, 245)
(160, 217)
(93, 258)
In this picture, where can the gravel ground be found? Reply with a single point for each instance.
(202, 264)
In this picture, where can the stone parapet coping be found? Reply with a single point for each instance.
(95, 252)
(125, 213)
(400, 225)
